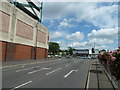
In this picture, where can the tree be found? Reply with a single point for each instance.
(103, 50)
(70, 49)
(54, 48)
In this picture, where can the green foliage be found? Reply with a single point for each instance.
(70, 50)
(54, 48)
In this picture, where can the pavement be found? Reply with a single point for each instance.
(54, 73)
(98, 78)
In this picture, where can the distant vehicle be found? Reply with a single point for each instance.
(89, 57)
(49, 56)
(56, 55)
(59, 56)
(67, 56)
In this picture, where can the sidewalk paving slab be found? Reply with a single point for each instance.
(98, 79)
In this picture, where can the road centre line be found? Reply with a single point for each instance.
(53, 71)
(70, 73)
(21, 85)
(39, 70)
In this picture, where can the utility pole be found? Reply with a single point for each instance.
(94, 45)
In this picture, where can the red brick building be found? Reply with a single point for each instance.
(22, 37)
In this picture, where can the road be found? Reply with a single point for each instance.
(64, 73)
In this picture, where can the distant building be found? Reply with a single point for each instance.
(94, 55)
(85, 52)
(81, 52)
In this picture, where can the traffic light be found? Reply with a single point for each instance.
(93, 50)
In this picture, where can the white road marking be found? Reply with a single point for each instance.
(22, 66)
(6, 69)
(69, 73)
(53, 71)
(88, 81)
(24, 69)
(67, 65)
(9, 69)
(29, 63)
(21, 85)
(27, 69)
(39, 70)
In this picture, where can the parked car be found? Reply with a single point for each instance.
(49, 56)
(67, 56)
(59, 56)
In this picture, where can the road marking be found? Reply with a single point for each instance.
(28, 63)
(53, 71)
(39, 70)
(70, 73)
(21, 85)
(22, 66)
(9, 69)
(88, 81)
(24, 69)
(27, 69)
(67, 65)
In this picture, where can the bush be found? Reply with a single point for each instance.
(112, 58)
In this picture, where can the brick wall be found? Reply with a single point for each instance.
(12, 51)
(22, 52)
(40, 53)
(2, 50)
(46, 53)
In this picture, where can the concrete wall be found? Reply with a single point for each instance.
(20, 34)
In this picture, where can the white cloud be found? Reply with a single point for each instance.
(104, 34)
(103, 37)
(100, 38)
(84, 45)
(103, 17)
(79, 0)
(78, 44)
(77, 36)
(55, 35)
(64, 23)
(100, 42)
(102, 47)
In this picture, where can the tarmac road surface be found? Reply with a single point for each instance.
(62, 73)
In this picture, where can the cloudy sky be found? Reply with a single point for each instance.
(81, 24)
